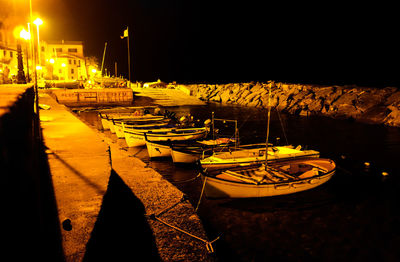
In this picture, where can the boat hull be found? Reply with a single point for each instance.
(137, 137)
(230, 160)
(184, 157)
(216, 187)
(120, 126)
(158, 150)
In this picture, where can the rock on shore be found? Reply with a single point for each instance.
(371, 105)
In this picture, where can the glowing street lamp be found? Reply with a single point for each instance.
(25, 34)
(38, 22)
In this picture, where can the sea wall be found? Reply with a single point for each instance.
(93, 97)
(371, 105)
(29, 214)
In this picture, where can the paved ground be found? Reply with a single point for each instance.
(103, 210)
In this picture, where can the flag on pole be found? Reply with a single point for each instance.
(125, 33)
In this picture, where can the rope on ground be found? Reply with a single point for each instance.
(155, 217)
(209, 246)
(183, 199)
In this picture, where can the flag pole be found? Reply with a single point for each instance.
(129, 58)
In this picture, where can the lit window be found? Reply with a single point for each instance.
(70, 61)
(74, 62)
(11, 54)
(58, 50)
(72, 71)
(72, 50)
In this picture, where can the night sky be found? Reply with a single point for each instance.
(231, 41)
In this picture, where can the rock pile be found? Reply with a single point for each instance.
(372, 105)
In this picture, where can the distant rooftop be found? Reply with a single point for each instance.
(60, 42)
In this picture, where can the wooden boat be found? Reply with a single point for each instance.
(280, 178)
(126, 113)
(139, 118)
(136, 137)
(186, 154)
(119, 125)
(254, 154)
(188, 147)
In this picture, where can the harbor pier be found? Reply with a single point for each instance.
(77, 196)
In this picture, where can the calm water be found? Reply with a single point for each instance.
(354, 216)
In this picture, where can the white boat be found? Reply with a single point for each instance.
(157, 149)
(280, 178)
(106, 115)
(253, 154)
(135, 137)
(138, 123)
(111, 122)
(191, 153)
(187, 148)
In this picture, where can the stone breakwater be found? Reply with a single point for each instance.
(371, 105)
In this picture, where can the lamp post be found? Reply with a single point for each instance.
(20, 76)
(63, 65)
(38, 133)
(52, 61)
(38, 22)
(26, 36)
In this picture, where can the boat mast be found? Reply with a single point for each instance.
(268, 123)
(213, 127)
(102, 62)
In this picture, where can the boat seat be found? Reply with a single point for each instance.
(310, 173)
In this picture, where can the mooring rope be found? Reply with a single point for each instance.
(155, 217)
(201, 194)
(187, 180)
(209, 247)
(283, 128)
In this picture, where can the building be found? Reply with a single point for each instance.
(58, 60)
(10, 17)
(63, 60)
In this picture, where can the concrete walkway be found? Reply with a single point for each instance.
(104, 211)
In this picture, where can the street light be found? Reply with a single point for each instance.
(38, 22)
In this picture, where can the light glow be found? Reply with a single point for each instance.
(24, 34)
(38, 21)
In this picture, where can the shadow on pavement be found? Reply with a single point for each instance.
(121, 232)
